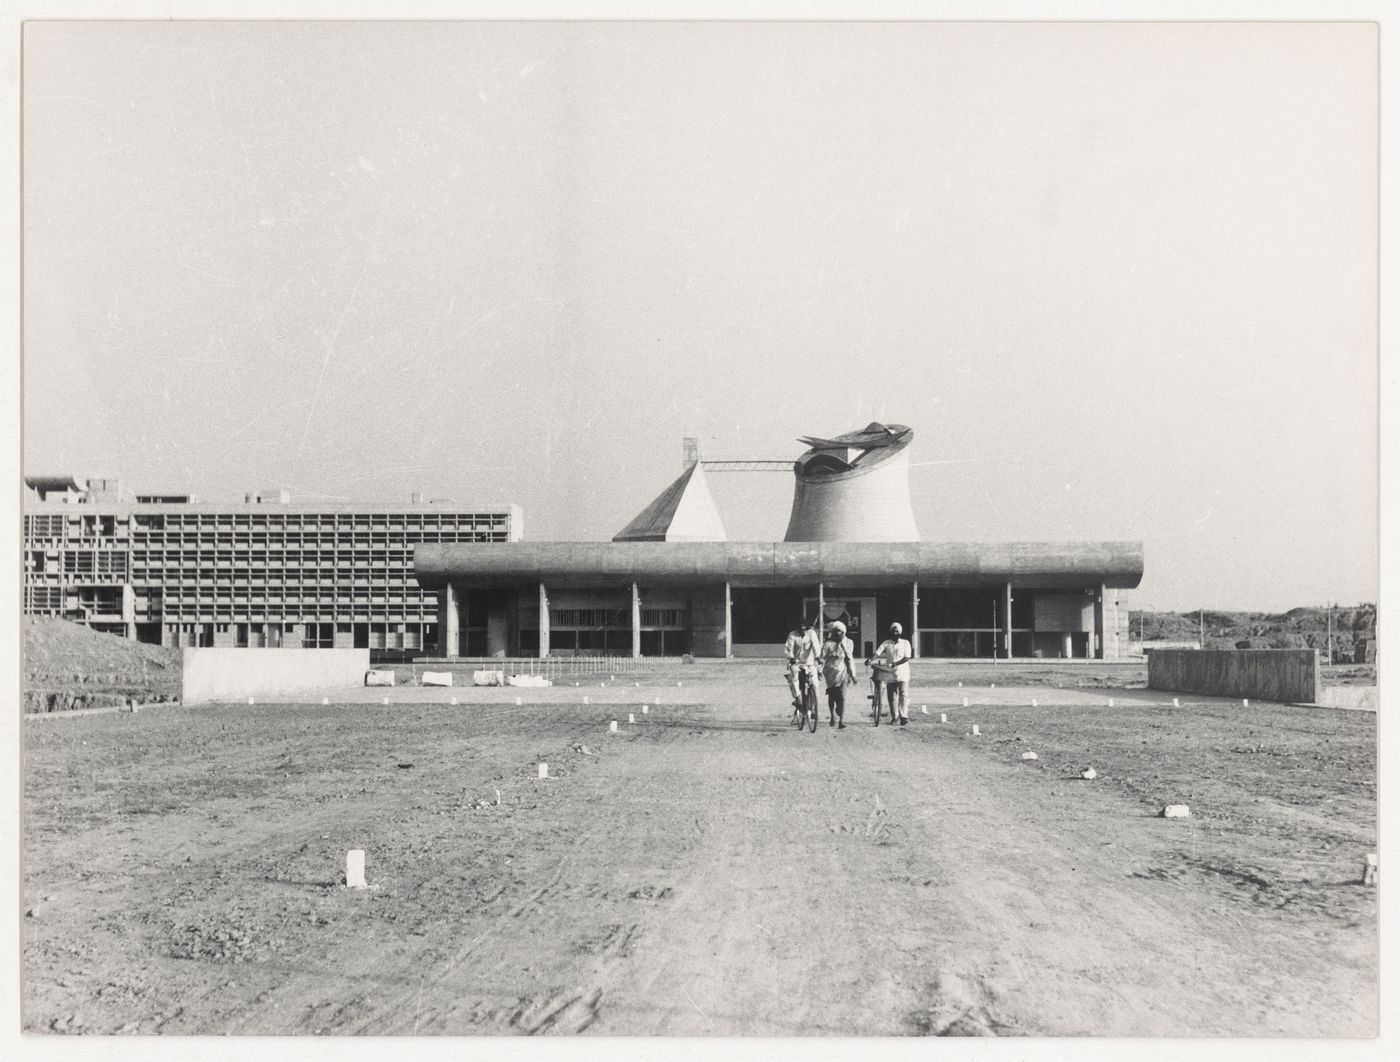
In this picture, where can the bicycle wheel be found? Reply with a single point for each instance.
(809, 700)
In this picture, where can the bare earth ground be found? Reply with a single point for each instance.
(707, 870)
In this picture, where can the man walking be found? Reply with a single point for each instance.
(893, 657)
(838, 672)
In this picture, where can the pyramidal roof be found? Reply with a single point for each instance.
(683, 512)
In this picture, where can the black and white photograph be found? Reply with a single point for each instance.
(821, 527)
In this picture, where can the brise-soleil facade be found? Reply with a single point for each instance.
(166, 569)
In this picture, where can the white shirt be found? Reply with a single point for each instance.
(892, 649)
(803, 647)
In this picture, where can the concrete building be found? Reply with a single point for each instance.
(165, 569)
(670, 583)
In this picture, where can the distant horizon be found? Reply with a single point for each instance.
(300, 500)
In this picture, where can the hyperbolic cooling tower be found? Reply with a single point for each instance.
(854, 488)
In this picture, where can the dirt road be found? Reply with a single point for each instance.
(707, 870)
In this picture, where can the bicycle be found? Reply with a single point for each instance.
(807, 712)
(878, 678)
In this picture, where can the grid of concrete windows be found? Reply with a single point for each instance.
(168, 570)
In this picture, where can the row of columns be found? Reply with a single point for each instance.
(636, 621)
(449, 622)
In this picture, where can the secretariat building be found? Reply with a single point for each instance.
(165, 569)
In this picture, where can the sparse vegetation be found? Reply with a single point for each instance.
(1353, 630)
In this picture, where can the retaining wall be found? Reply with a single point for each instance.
(220, 674)
(1363, 698)
(1286, 675)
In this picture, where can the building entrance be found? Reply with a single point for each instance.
(857, 613)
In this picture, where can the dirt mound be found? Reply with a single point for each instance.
(67, 666)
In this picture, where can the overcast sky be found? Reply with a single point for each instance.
(1120, 279)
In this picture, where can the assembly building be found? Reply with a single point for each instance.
(671, 583)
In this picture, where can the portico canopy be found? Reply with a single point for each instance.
(1045, 565)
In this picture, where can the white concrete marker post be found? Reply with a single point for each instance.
(612, 727)
(1176, 702)
(454, 700)
(942, 717)
(1110, 702)
(1369, 869)
(1246, 702)
(386, 700)
(658, 700)
(585, 698)
(325, 700)
(964, 702)
(355, 868)
(976, 731)
(517, 700)
(250, 700)
(1035, 703)
(924, 707)
(631, 718)
(544, 770)
(1176, 811)
(644, 709)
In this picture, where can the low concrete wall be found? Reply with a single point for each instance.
(220, 674)
(1287, 675)
(1363, 698)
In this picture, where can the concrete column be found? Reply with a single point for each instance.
(821, 610)
(449, 628)
(1098, 652)
(1117, 649)
(914, 618)
(129, 610)
(996, 630)
(728, 621)
(636, 622)
(544, 622)
(1007, 625)
(1069, 645)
